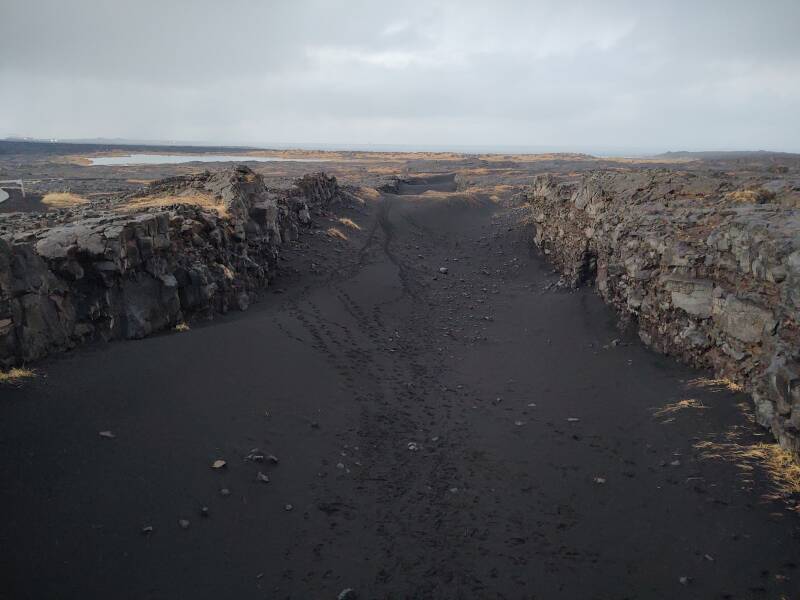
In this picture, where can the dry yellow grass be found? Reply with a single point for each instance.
(182, 327)
(206, 201)
(368, 193)
(349, 223)
(336, 233)
(750, 196)
(674, 407)
(15, 375)
(716, 385)
(63, 200)
(783, 470)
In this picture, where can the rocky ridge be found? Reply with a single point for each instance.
(133, 266)
(702, 277)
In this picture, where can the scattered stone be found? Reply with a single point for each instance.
(519, 423)
(272, 458)
(204, 511)
(675, 463)
(600, 480)
(288, 507)
(262, 478)
(184, 523)
(347, 594)
(443, 270)
(107, 435)
(147, 530)
(413, 446)
(573, 419)
(224, 492)
(684, 580)
(218, 464)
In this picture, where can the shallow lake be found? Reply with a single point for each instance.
(172, 159)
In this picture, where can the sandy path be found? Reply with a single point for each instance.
(422, 424)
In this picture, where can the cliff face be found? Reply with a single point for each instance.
(185, 246)
(702, 277)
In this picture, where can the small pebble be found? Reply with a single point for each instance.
(183, 523)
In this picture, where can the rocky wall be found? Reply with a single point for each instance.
(713, 282)
(125, 272)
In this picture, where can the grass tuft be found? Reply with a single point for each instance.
(349, 223)
(757, 196)
(15, 375)
(715, 385)
(336, 233)
(206, 201)
(674, 407)
(63, 200)
(779, 464)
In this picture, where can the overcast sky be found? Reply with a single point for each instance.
(582, 75)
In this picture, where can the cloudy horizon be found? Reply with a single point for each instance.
(621, 75)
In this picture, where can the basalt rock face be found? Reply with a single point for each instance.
(709, 280)
(123, 272)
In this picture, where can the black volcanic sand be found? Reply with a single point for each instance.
(399, 402)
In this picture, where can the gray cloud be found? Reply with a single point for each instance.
(584, 74)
